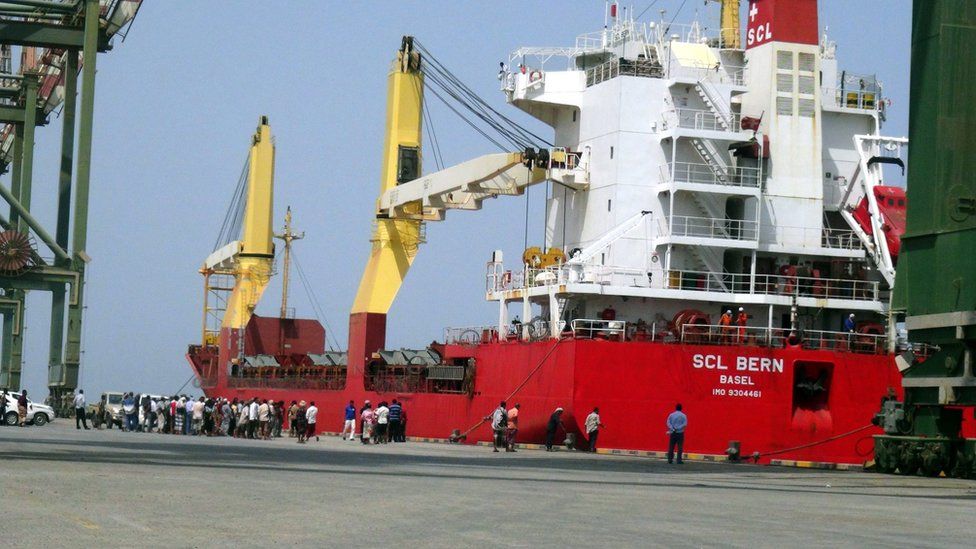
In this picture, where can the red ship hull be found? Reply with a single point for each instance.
(785, 403)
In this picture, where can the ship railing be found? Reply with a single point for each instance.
(623, 67)
(498, 280)
(716, 74)
(826, 237)
(713, 334)
(333, 381)
(844, 341)
(616, 35)
(590, 328)
(607, 275)
(711, 227)
(765, 284)
(762, 336)
(470, 335)
(691, 172)
(853, 98)
(842, 239)
(699, 119)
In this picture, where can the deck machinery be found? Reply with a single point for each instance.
(937, 271)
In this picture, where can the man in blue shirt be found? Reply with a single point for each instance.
(396, 416)
(849, 324)
(849, 327)
(677, 422)
(350, 422)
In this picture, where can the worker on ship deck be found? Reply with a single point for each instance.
(516, 328)
(741, 320)
(725, 323)
(849, 328)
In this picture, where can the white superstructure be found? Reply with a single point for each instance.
(715, 177)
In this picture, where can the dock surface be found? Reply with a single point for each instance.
(69, 488)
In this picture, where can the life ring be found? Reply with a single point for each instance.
(535, 76)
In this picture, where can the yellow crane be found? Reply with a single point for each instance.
(248, 260)
(408, 199)
(731, 34)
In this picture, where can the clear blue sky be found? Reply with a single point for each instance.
(178, 101)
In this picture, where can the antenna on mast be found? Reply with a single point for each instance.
(287, 235)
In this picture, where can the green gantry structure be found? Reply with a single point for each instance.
(936, 288)
(55, 38)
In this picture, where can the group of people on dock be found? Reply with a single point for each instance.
(505, 426)
(266, 419)
(255, 418)
(504, 423)
(381, 425)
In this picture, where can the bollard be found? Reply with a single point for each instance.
(734, 450)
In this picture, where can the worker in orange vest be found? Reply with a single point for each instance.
(726, 323)
(741, 321)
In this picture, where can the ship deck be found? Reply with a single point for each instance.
(101, 487)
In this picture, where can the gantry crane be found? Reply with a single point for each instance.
(58, 43)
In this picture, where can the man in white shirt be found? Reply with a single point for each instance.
(153, 414)
(382, 422)
(310, 416)
(264, 415)
(188, 417)
(243, 418)
(198, 416)
(79, 403)
(592, 426)
(677, 422)
(252, 418)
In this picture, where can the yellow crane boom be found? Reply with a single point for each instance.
(407, 200)
(250, 259)
(395, 241)
(731, 35)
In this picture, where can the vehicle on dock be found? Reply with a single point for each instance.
(37, 414)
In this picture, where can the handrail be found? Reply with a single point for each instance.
(617, 67)
(588, 328)
(766, 284)
(710, 227)
(826, 237)
(469, 335)
(820, 340)
(694, 172)
(700, 119)
(853, 98)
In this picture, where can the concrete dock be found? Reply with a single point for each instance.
(69, 488)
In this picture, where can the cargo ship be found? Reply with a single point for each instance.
(719, 233)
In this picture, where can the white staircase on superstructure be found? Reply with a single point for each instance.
(706, 151)
(715, 103)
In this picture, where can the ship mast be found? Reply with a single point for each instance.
(287, 235)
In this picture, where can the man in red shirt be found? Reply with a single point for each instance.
(512, 428)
